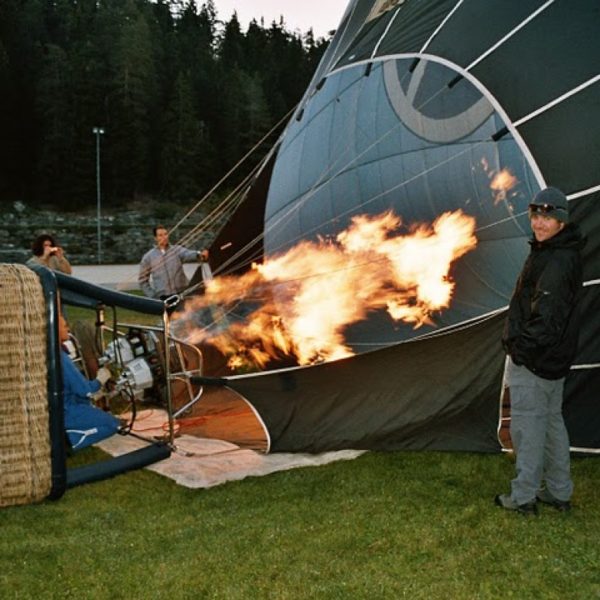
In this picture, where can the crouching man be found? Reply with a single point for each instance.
(85, 424)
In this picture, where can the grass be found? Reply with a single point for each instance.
(124, 315)
(387, 525)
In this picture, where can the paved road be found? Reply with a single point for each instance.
(120, 277)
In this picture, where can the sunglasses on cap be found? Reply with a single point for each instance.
(544, 208)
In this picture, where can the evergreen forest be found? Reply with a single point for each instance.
(179, 95)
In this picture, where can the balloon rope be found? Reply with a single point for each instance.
(224, 207)
(225, 204)
(303, 199)
(233, 169)
(483, 56)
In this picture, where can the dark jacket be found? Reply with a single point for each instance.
(542, 326)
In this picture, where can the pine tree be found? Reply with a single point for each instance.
(156, 75)
(54, 112)
(130, 105)
(186, 152)
(90, 80)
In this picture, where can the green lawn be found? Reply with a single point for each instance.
(125, 316)
(387, 525)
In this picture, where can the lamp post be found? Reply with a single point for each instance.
(98, 131)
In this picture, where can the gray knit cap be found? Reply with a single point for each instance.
(552, 202)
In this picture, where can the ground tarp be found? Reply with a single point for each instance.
(202, 463)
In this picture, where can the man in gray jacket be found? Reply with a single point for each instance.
(161, 270)
(540, 338)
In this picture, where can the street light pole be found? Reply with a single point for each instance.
(98, 131)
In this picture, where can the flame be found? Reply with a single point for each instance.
(502, 182)
(304, 299)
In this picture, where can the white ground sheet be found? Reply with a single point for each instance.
(203, 463)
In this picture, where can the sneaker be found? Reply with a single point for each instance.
(545, 497)
(505, 501)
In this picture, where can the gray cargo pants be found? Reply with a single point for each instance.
(539, 435)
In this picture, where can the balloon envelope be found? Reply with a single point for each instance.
(424, 107)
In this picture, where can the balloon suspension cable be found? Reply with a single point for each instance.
(229, 201)
(326, 173)
(324, 178)
(233, 200)
(233, 169)
(228, 205)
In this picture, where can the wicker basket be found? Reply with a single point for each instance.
(25, 463)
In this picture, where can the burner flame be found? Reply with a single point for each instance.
(298, 304)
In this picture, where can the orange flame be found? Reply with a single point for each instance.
(502, 182)
(306, 297)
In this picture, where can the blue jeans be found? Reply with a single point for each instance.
(539, 436)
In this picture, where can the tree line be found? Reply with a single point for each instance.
(179, 94)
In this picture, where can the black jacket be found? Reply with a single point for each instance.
(542, 325)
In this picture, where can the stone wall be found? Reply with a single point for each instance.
(125, 235)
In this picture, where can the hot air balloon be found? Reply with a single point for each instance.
(422, 109)
(367, 269)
